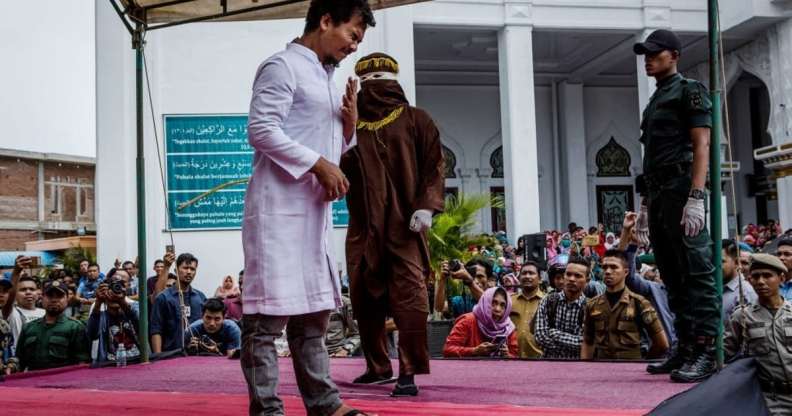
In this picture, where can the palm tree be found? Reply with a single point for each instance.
(452, 235)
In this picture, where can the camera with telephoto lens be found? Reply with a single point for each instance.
(117, 286)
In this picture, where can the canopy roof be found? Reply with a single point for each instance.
(156, 14)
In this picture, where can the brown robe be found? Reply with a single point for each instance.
(393, 171)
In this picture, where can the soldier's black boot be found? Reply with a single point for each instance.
(701, 365)
(674, 361)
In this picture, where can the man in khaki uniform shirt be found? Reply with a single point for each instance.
(614, 320)
(765, 329)
(524, 307)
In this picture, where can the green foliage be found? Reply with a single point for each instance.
(451, 234)
(71, 258)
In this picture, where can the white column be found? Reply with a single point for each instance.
(572, 124)
(115, 138)
(78, 203)
(646, 84)
(398, 28)
(784, 189)
(392, 35)
(485, 215)
(41, 198)
(518, 125)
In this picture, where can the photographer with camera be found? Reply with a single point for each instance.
(485, 332)
(213, 334)
(474, 278)
(113, 321)
(119, 284)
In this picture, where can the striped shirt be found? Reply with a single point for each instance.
(560, 334)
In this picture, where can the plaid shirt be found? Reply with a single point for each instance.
(563, 339)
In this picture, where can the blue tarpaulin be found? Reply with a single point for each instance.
(8, 258)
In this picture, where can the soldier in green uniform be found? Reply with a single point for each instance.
(675, 134)
(765, 330)
(54, 340)
(614, 321)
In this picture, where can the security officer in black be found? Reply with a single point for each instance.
(675, 134)
(54, 340)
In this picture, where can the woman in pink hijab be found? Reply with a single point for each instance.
(227, 288)
(487, 331)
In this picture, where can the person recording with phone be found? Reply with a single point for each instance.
(485, 332)
(473, 277)
(113, 321)
(11, 319)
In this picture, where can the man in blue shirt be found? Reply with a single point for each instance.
(213, 333)
(86, 291)
(168, 317)
(784, 252)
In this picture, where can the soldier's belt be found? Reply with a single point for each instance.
(662, 175)
(776, 386)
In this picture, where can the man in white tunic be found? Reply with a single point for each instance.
(299, 125)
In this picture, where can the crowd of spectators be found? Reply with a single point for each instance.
(566, 305)
(503, 304)
(61, 317)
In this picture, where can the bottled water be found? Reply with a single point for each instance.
(121, 359)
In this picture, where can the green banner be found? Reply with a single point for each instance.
(204, 151)
(340, 214)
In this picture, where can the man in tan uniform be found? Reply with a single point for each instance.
(764, 330)
(614, 320)
(524, 307)
(396, 178)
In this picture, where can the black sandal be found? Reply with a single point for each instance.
(369, 378)
(407, 390)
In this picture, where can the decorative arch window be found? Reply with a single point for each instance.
(496, 162)
(450, 163)
(613, 160)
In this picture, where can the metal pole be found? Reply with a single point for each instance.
(137, 44)
(715, 165)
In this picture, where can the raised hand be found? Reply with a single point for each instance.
(349, 112)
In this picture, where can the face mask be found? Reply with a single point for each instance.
(566, 243)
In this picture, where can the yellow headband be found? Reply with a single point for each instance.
(378, 64)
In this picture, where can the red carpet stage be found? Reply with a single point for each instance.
(215, 386)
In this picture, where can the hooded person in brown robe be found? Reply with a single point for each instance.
(396, 178)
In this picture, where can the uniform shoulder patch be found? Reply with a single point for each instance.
(649, 316)
(695, 98)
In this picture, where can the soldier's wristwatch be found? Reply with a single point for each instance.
(696, 193)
